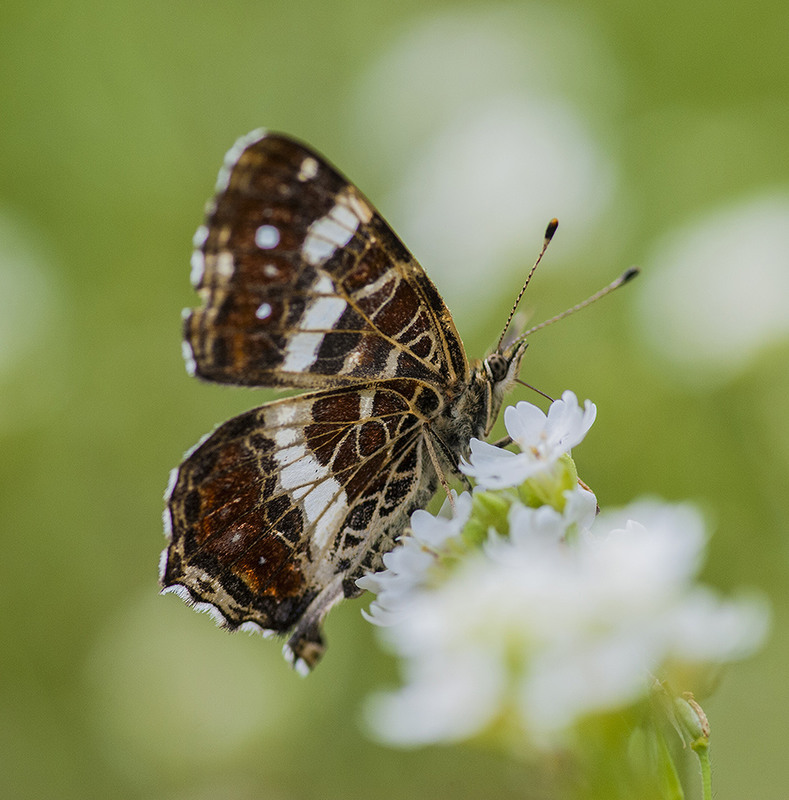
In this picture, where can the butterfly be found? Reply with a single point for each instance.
(273, 517)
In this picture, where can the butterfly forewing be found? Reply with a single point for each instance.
(305, 285)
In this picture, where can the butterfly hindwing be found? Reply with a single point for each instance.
(296, 496)
(305, 285)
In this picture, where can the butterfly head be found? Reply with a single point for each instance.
(499, 372)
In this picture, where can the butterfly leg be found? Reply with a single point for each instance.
(305, 645)
(452, 459)
(432, 439)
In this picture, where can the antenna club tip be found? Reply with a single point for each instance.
(629, 274)
(551, 229)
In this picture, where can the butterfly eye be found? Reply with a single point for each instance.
(497, 366)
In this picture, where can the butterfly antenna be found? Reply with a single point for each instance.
(534, 389)
(626, 276)
(549, 232)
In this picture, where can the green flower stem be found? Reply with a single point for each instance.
(701, 747)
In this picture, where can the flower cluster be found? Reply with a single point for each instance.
(520, 608)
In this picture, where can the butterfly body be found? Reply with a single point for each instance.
(276, 514)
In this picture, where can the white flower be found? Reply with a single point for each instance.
(547, 631)
(526, 523)
(542, 439)
(406, 566)
(543, 616)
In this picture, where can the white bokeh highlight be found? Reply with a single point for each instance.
(481, 152)
(475, 200)
(715, 292)
(27, 299)
(34, 377)
(168, 689)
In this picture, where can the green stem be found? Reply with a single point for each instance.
(702, 749)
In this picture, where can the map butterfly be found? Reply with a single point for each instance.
(273, 517)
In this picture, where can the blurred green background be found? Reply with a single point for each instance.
(656, 132)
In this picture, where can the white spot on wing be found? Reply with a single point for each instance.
(320, 244)
(177, 589)
(323, 500)
(201, 234)
(298, 493)
(323, 285)
(303, 472)
(168, 493)
(321, 314)
(289, 456)
(189, 358)
(223, 235)
(225, 265)
(344, 214)
(308, 169)
(270, 271)
(253, 627)
(284, 437)
(352, 361)
(198, 268)
(266, 237)
(281, 414)
(358, 206)
(299, 665)
(163, 564)
(326, 510)
(376, 286)
(167, 522)
(391, 362)
(233, 154)
(334, 230)
(366, 404)
(264, 311)
(302, 351)
(320, 497)
(188, 598)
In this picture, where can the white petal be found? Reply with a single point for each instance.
(706, 629)
(525, 423)
(446, 702)
(567, 423)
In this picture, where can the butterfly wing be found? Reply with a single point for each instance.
(277, 513)
(305, 285)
